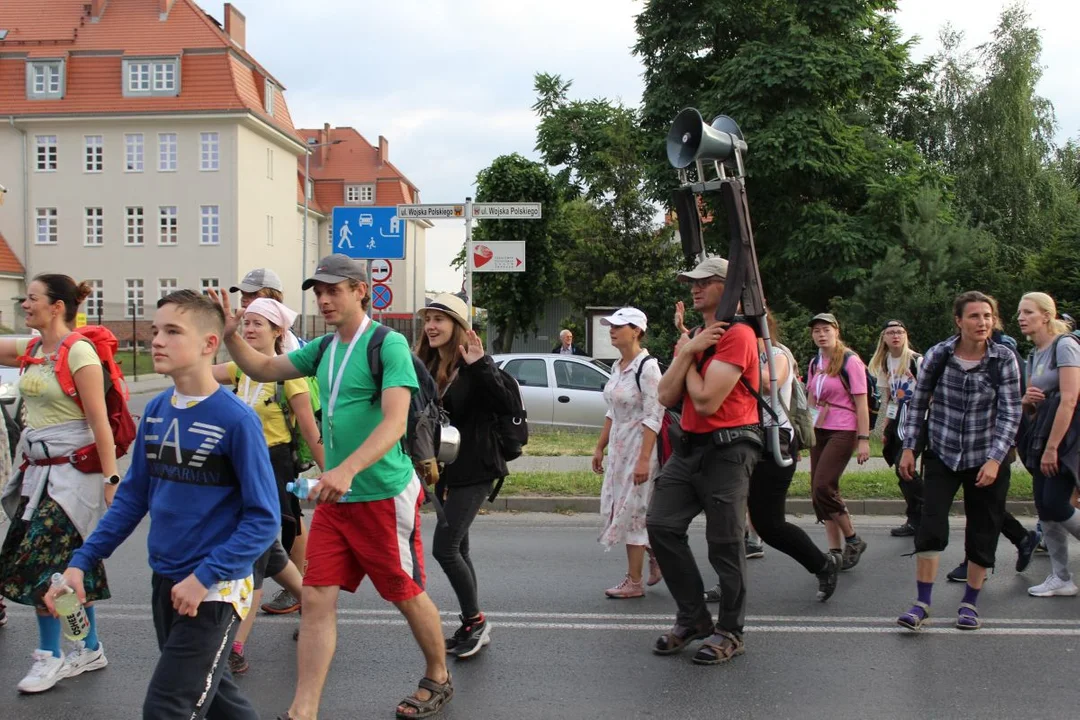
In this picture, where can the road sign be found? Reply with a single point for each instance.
(381, 270)
(430, 212)
(381, 296)
(506, 211)
(498, 256)
(368, 233)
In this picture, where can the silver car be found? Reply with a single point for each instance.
(559, 390)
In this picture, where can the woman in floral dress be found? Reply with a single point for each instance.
(633, 420)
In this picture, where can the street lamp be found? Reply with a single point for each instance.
(303, 255)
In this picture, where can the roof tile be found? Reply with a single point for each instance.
(9, 263)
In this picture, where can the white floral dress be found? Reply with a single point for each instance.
(623, 504)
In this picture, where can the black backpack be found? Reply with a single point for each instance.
(512, 431)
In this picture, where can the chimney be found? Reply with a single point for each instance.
(324, 151)
(97, 9)
(235, 25)
(163, 9)
(384, 151)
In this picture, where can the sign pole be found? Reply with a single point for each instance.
(468, 260)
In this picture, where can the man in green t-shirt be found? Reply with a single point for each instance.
(367, 522)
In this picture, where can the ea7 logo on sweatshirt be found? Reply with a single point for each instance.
(190, 454)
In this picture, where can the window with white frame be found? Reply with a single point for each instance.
(46, 80)
(209, 225)
(208, 151)
(134, 298)
(95, 301)
(270, 163)
(208, 284)
(166, 152)
(95, 153)
(359, 194)
(166, 286)
(95, 227)
(152, 77)
(270, 230)
(268, 97)
(134, 226)
(133, 152)
(46, 152)
(168, 225)
(46, 226)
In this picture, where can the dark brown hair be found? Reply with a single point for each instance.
(441, 369)
(270, 293)
(973, 296)
(206, 311)
(63, 288)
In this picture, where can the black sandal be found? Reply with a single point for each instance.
(678, 637)
(440, 695)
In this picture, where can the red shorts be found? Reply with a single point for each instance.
(380, 539)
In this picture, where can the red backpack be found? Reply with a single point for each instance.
(116, 392)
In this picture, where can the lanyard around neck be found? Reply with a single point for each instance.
(335, 383)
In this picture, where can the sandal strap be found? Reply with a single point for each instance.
(970, 607)
(924, 606)
(436, 688)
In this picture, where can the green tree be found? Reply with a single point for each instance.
(814, 85)
(514, 301)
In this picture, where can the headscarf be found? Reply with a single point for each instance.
(273, 311)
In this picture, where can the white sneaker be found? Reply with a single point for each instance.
(46, 671)
(81, 660)
(1053, 585)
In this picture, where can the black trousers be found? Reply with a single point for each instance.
(768, 496)
(715, 480)
(912, 490)
(192, 679)
(984, 509)
(450, 544)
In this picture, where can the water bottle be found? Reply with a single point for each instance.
(302, 486)
(73, 621)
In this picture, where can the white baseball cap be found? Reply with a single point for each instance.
(627, 316)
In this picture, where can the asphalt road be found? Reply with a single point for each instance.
(560, 649)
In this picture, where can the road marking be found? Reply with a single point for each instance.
(848, 625)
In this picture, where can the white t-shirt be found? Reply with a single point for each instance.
(784, 391)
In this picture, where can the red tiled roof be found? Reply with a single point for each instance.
(219, 77)
(9, 263)
(353, 161)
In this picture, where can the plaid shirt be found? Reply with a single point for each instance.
(970, 420)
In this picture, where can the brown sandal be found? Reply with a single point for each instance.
(719, 648)
(440, 695)
(680, 636)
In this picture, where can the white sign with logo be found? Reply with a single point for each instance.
(497, 256)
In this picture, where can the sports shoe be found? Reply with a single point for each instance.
(712, 595)
(655, 575)
(905, 530)
(1025, 550)
(1054, 586)
(470, 638)
(827, 578)
(852, 552)
(46, 671)
(282, 604)
(81, 660)
(3, 614)
(238, 664)
(754, 549)
(626, 589)
(959, 573)
(1041, 547)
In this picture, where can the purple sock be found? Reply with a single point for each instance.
(971, 595)
(925, 589)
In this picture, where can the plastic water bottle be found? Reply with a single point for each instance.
(302, 486)
(73, 619)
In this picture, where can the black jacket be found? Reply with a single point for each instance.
(557, 350)
(475, 398)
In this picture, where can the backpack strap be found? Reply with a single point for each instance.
(374, 358)
(760, 400)
(641, 367)
(324, 342)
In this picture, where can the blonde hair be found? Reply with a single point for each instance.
(1046, 305)
(879, 366)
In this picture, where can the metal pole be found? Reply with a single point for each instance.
(468, 259)
(416, 304)
(134, 347)
(303, 253)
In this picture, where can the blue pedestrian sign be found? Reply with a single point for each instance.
(369, 233)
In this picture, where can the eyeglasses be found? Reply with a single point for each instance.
(705, 282)
(895, 333)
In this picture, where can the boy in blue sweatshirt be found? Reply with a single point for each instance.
(200, 467)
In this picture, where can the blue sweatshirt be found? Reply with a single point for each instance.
(204, 475)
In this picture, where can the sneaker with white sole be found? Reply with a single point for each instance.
(81, 660)
(626, 589)
(46, 671)
(1054, 586)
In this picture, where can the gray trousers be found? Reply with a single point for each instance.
(702, 476)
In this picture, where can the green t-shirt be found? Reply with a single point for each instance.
(355, 417)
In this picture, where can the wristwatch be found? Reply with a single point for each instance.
(863, 437)
(112, 480)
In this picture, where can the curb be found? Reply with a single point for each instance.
(795, 506)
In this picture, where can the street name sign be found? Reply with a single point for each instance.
(506, 211)
(430, 212)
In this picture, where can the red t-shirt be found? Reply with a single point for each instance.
(738, 347)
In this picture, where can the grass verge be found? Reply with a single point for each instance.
(855, 486)
(144, 364)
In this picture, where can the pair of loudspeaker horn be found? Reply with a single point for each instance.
(691, 140)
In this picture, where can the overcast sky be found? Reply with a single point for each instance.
(449, 83)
